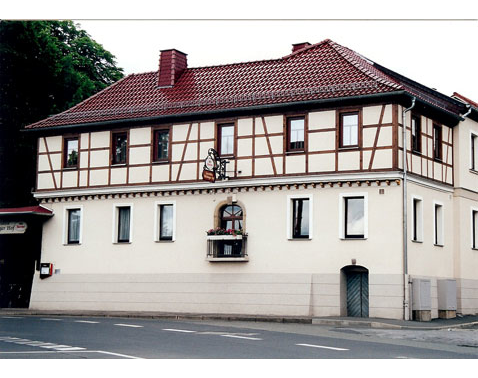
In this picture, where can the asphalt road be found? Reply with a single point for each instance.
(37, 337)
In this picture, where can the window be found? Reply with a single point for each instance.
(437, 142)
(416, 134)
(122, 232)
(72, 225)
(295, 134)
(474, 229)
(231, 218)
(349, 129)
(226, 139)
(354, 218)
(474, 152)
(70, 153)
(299, 217)
(417, 219)
(438, 224)
(119, 152)
(165, 221)
(161, 145)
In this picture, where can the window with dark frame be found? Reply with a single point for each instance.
(70, 153)
(300, 218)
(416, 134)
(354, 217)
(231, 218)
(474, 229)
(474, 152)
(124, 224)
(74, 218)
(349, 129)
(437, 142)
(119, 151)
(417, 219)
(438, 224)
(226, 139)
(295, 133)
(161, 145)
(166, 222)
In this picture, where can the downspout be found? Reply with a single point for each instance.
(406, 293)
(467, 113)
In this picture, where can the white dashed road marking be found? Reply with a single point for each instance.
(86, 321)
(12, 317)
(129, 325)
(322, 347)
(53, 319)
(178, 330)
(242, 337)
(40, 344)
(118, 354)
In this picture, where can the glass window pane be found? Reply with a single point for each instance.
(162, 142)
(123, 224)
(72, 152)
(300, 218)
(166, 222)
(350, 130)
(296, 133)
(227, 140)
(74, 226)
(119, 148)
(355, 225)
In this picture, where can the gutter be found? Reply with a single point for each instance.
(406, 307)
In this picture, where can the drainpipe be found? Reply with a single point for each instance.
(467, 113)
(406, 292)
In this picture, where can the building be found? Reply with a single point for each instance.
(305, 214)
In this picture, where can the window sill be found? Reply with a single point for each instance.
(475, 172)
(344, 238)
(227, 259)
(164, 241)
(122, 243)
(300, 239)
(160, 162)
(293, 152)
(71, 244)
(118, 165)
(348, 148)
(474, 249)
(417, 241)
(419, 153)
(439, 245)
(70, 168)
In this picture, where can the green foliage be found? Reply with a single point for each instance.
(45, 68)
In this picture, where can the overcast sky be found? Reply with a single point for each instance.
(438, 54)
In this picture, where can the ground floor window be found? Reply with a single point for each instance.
(353, 216)
(72, 231)
(438, 223)
(299, 217)
(165, 221)
(474, 229)
(123, 224)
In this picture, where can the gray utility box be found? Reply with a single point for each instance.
(421, 299)
(446, 298)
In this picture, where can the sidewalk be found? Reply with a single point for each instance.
(435, 324)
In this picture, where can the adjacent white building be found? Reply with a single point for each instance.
(309, 221)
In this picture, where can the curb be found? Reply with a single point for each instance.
(233, 317)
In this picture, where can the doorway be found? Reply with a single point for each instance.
(356, 291)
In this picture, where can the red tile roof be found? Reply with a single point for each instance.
(465, 99)
(321, 71)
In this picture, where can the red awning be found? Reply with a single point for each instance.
(35, 210)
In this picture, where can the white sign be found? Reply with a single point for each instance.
(13, 227)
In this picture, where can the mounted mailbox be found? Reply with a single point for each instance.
(46, 270)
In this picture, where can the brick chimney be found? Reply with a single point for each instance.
(298, 46)
(172, 63)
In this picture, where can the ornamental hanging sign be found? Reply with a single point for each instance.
(214, 167)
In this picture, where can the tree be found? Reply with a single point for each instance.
(45, 68)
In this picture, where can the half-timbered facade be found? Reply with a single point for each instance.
(309, 220)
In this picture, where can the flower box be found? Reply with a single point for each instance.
(224, 237)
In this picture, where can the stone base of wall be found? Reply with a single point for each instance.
(467, 296)
(246, 294)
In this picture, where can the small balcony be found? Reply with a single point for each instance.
(230, 248)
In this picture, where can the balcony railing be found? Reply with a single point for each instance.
(227, 248)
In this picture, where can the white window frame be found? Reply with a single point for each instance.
(116, 220)
(309, 197)
(65, 223)
(342, 197)
(471, 228)
(420, 221)
(156, 223)
(441, 226)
